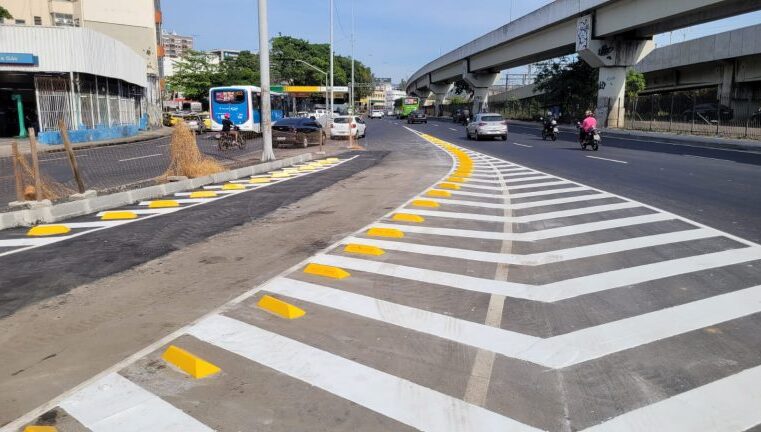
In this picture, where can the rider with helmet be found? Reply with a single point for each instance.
(589, 124)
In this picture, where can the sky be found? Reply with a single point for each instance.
(393, 37)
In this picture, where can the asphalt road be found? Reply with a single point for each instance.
(511, 296)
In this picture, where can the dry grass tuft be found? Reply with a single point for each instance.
(49, 188)
(186, 159)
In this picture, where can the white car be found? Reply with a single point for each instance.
(487, 125)
(344, 126)
(376, 114)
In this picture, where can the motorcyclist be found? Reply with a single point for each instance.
(589, 124)
(548, 121)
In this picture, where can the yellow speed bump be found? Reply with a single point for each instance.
(233, 186)
(438, 193)
(385, 232)
(448, 186)
(425, 203)
(189, 363)
(326, 271)
(258, 180)
(203, 194)
(406, 217)
(40, 429)
(163, 204)
(48, 230)
(280, 308)
(118, 215)
(363, 249)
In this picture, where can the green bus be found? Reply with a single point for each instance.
(404, 106)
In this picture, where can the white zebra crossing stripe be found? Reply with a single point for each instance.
(115, 404)
(524, 219)
(550, 192)
(592, 196)
(146, 211)
(394, 397)
(543, 257)
(27, 241)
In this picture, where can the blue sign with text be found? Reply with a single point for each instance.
(18, 58)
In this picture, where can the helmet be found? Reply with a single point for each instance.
(227, 116)
(589, 113)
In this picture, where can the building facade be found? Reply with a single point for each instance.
(175, 45)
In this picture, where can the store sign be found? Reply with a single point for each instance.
(18, 58)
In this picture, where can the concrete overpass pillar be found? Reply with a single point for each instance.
(613, 57)
(440, 91)
(480, 83)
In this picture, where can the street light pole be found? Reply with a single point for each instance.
(352, 59)
(331, 64)
(320, 71)
(264, 66)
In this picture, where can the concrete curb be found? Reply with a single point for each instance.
(70, 209)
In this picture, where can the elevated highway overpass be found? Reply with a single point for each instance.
(608, 34)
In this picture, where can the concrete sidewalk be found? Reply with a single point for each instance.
(6, 143)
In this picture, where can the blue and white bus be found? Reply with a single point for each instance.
(242, 103)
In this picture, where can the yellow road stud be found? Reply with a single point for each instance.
(203, 194)
(448, 186)
(118, 215)
(438, 193)
(456, 179)
(233, 186)
(163, 204)
(189, 363)
(425, 203)
(326, 271)
(48, 230)
(280, 308)
(40, 429)
(406, 217)
(258, 180)
(385, 232)
(363, 249)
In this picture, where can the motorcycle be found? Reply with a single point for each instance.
(228, 140)
(591, 139)
(550, 130)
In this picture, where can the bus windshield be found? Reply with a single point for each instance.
(229, 96)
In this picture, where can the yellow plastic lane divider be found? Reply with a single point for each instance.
(438, 193)
(163, 204)
(118, 215)
(189, 363)
(48, 230)
(280, 308)
(363, 249)
(425, 203)
(448, 186)
(385, 232)
(203, 194)
(406, 217)
(326, 271)
(259, 180)
(40, 429)
(233, 186)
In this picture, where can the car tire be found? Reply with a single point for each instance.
(504, 137)
(478, 137)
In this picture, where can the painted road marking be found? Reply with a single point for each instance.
(60, 158)
(709, 158)
(389, 395)
(140, 157)
(520, 206)
(573, 188)
(609, 160)
(116, 404)
(27, 241)
(522, 145)
(154, 211)
(453, 129)
(527, 218)
(183, 201)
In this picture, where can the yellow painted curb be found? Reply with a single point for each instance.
(233, 186)
(363, 249)
(163, 204)
(456, 179)
(48, 230)
(259, 180)
(280, 308)
(326, 271)
(406, 217)
(203, 194)
(461, 174)
(40, 429)
(118, 215)
(189, 363)
(425, 203)
(438, 193)
(385, 232)
(448, 186)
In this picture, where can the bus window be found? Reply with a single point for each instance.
(277, 102)
(229, 96)
(255, 100)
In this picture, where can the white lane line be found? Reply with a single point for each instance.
(728, 404)
(116, 404)
(552, 292)
(531, 204)
(527, 218)
(609, 160)
(27, 241)
(140, 157)
(522, 145)
(453, 129)
(386, 394)
(553, 192)
(183, 201)
(156, 211)
(541, 258)
(434, 124)
(60, 158)
(75, 225)
(532, 235)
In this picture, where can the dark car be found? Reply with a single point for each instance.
(708, 112)
(300, 132)
(417, 117)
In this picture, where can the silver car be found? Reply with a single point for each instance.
(487, 125)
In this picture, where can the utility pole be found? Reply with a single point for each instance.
(352, 58)
(264, 66)
(330, 114)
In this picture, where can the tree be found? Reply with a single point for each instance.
(194, 75)
(240, 70)
(573, 86)
(4, 14)
(458, 100)
(635, 83)
(461, 86)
